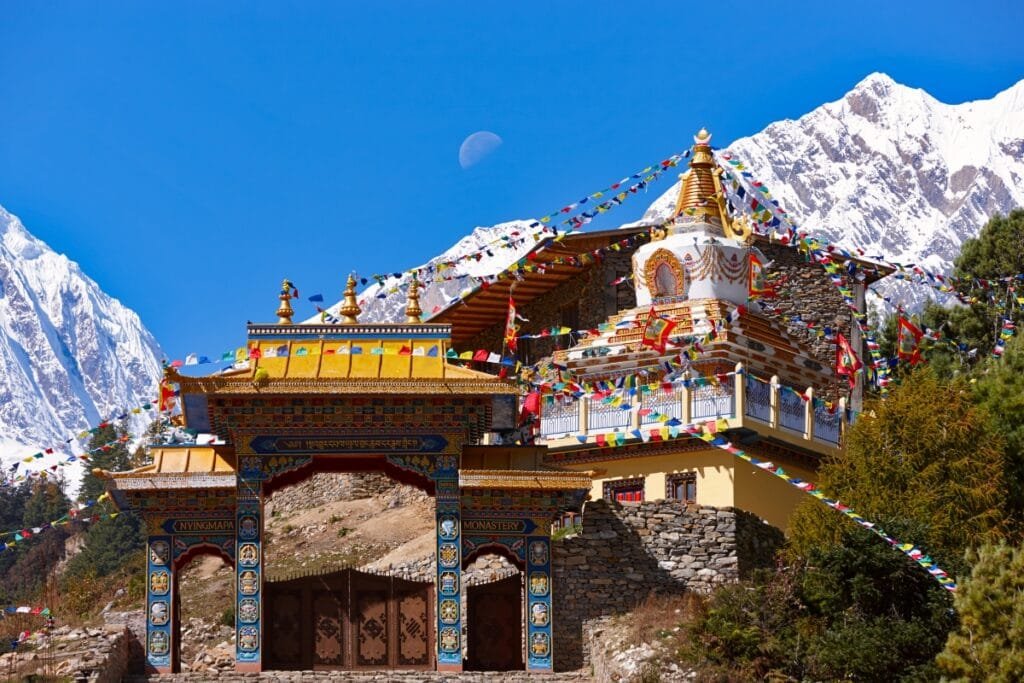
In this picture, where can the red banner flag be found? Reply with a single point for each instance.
(758, 287)
(908, 341)
(656, 332)
(847, 362)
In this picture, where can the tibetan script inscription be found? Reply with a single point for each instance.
(300, 445)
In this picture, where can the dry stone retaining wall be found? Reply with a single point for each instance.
(627, 552)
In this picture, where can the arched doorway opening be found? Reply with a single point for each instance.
(495, 619)
(204, 608)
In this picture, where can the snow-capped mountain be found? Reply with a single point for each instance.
(887, 169)
(70, 356)
(494, 249)
(891, 170)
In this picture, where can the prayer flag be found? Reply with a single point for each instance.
(510, 326)
(758, 286)
(908, 341)
(656, 331)
(847, 362)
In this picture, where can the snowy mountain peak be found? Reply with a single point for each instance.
(70, 355)
(891, 170)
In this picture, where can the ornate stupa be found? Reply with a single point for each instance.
(699, 252)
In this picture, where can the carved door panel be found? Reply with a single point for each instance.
(371, 622)
(495, 628)
(414, 623)
(329, 629)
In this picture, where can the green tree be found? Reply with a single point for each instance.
(999, 389)
(996, 253)
(46, 504)
(988, 645)
(925, 456)
(109, 543)
(108, 452)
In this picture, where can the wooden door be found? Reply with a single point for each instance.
(495, 625)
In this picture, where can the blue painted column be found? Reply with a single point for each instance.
(538, 604)
(449, 572)
(161, 617)
(249, 571)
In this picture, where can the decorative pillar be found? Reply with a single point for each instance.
(449, 572)
(161, 618)
(538, 604)
(249, 570)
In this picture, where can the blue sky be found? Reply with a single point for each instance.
(191, 154)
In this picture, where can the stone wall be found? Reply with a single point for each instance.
(809, 293)
(83, 655)
(627, 552)
(326, 487)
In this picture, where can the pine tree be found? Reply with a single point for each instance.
(109, 453)
(989, 643)
(999, 388)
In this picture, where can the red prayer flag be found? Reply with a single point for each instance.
(847, 362)
(908, 340)
(405, 351)
(481, 355)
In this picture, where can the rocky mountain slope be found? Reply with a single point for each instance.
(70, 355)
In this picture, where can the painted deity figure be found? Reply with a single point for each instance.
(248, 555)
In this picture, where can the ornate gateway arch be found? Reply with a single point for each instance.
(349, 397)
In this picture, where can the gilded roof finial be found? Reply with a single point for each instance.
(350, 307)
(700, 194)
(412, 307)
(284, 311)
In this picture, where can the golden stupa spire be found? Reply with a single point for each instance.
(701, 198)
(284, 310)
(350, 307)
(698, 187)
(412, 307)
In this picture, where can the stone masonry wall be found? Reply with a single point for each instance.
(627, 552)
(810, 294)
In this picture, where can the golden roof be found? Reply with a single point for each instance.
(524, 479)
(354, 358)
(176, 467)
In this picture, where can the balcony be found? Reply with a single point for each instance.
(772, 410)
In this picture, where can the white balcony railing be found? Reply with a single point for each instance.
(767, 407)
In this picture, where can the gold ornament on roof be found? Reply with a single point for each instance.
(284, 311)
(412, 307)
(350, 307)
(701, 196)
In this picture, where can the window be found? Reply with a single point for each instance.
(681, 487)
(625, 490)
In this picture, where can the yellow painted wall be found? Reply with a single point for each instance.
(767, 496)
(713, 468)
(722, 481)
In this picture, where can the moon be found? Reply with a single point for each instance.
(477, 146)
